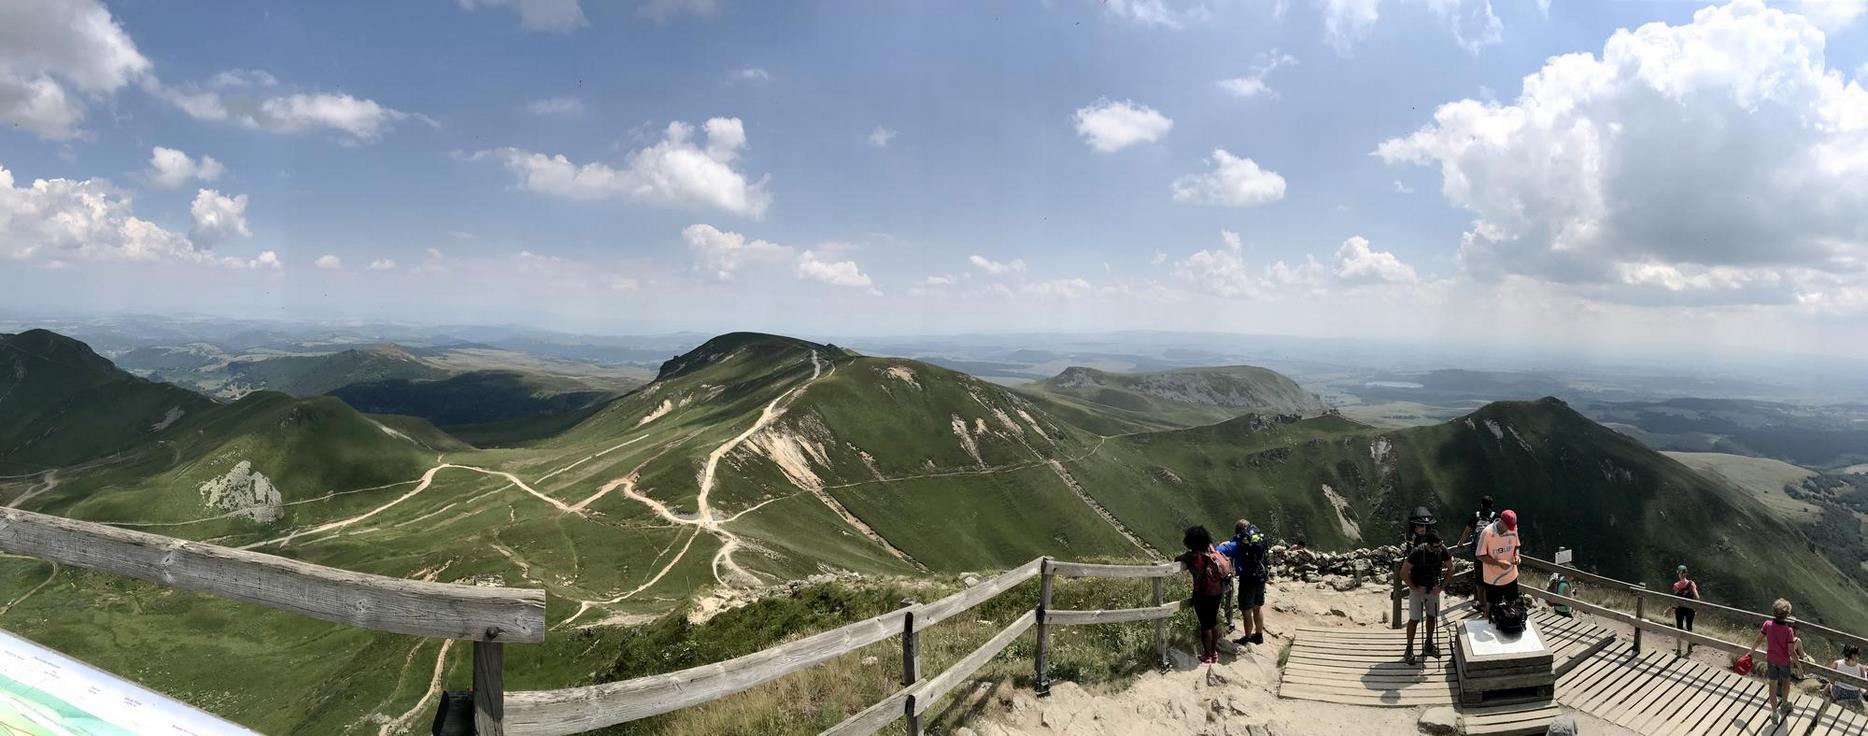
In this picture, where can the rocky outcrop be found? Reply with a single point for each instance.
(1349, 570)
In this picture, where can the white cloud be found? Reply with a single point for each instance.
(1159, 258)
(1347, 22)
(1170, 14)
(382, 264)
(1473, 24)
(677, 172)
(1112, 126)
(938, 281)
(218, 217)
(1719, 157)
(1253, 84)
(618, 282)
(881, 136)
(835, 273)
(243, 78)
(1056, 288)
(720, 252)
(54, 221)
(1357, 264)
(555, 16)
(363, 120)
(330, 262)
(555, 106)
(1402, 188)
(47, 45)
(1233, 182)
(996, 268)
(170, 168)
(1832, 15)
(750, 75)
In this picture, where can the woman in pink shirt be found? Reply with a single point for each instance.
(1782, 656)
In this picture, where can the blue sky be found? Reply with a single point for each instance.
(852, 168)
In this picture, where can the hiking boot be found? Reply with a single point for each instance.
(1258, 638)
(1430, 651)
(1242, 641)
(1409, 659)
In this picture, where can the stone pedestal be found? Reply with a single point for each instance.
(1496, 669)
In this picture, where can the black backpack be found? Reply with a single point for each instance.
(1509, 616)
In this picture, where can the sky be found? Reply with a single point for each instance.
(1581, 175)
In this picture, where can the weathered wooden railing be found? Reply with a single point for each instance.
(1640, 623)
(573, 710)
(486, 616)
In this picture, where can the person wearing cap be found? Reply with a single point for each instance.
(1417, 525)
(1687, 588)
(1426, 570)
(1498, 561)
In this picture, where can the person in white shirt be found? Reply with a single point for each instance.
(1845, 694)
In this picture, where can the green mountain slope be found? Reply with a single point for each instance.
(310, 375)
(61, 403)
(1185, 397)
(756, 459)
(485, 407)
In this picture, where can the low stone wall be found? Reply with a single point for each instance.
(1354, 568)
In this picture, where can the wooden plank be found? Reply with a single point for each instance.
(489, 689)
(1113, 616)
(1610, 684)
(946, 681)
(1705, 687)
(928, 614)
(1663, 689)
(1742, 695)
(1331, 694)
(876, 717)
(439, 610)
(579, 709)
(1088, 570)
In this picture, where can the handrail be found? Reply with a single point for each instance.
(396, 605)
(1696, 603)
(1665, 630)
(573, 710)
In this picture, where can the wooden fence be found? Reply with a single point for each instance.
(487, 616)
(573, 710)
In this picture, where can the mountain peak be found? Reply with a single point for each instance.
(57, 348)
(731, 344)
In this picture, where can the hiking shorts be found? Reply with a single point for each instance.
(1774, 672)
(1421, 603)
(1206, 608)
(1251, 594)
(1496, 594)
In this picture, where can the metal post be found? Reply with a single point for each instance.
(1042, 682)
(1394, 617)
(911, 668)
(1160, 632)
(489, 694)
(1639, 605)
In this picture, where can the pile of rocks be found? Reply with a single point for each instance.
(1344, 570)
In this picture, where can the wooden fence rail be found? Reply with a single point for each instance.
(573, 710)
(487, 616)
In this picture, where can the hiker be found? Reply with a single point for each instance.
(1251, 560)
(1498, 561)
(1782, 655)
(1485, 515)
(1210, 570)
(1845, 694)
(1417, 525)
(1687, 588)
(1561, 586)
(1426, 570)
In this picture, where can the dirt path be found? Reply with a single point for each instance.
(421, 706)
(16, 601)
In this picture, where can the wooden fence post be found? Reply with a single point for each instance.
(1042, 683)
(1160, 632)
(489, 689)
(1639, 606)
(911, 669)
(1394, 617)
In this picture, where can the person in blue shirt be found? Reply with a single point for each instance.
(1251, 557)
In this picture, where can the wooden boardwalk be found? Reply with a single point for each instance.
(1654, 694)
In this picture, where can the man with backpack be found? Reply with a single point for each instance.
(1251, 558)
(1498, 562)
(1210, 569)
(1426, 570)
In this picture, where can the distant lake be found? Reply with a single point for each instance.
(1393, 384)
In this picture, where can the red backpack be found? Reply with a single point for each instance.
(1210, 578)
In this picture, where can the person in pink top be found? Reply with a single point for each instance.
(1782, 655)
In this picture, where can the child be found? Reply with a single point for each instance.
(1846, 695)
(1783, 656)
